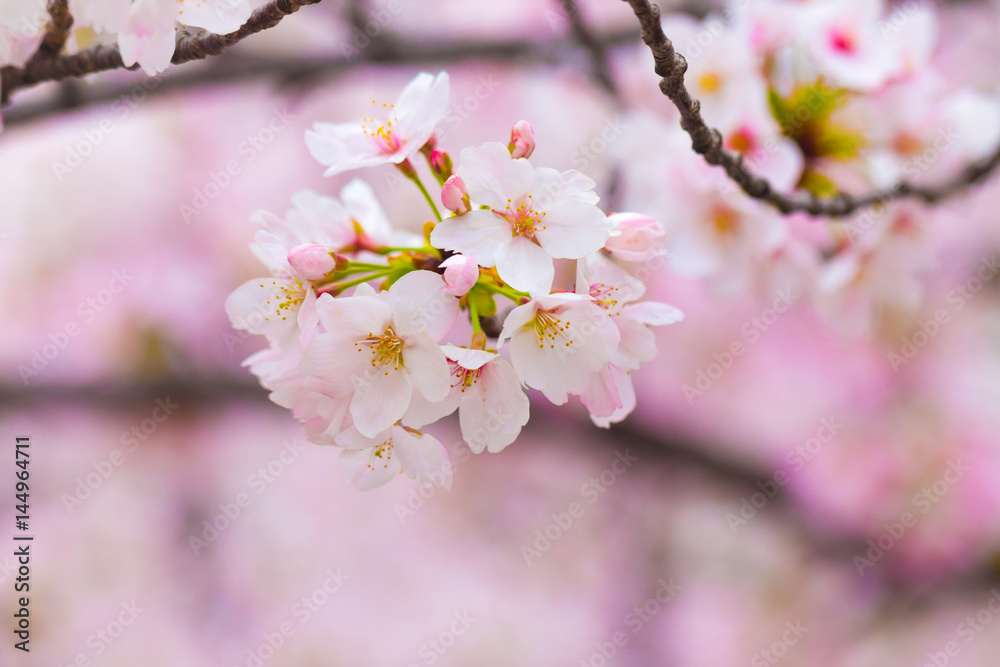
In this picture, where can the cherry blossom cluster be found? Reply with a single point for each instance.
(367, 345)
(828, 96)
(144, 29)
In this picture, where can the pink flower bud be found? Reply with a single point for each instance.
(454, 196)
(311, 260)
(460, 273)
(440, 163)
(522, 139)
(635, 237)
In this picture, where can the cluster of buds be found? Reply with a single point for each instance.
(376, 332)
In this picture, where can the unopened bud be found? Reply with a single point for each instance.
(522, 139)
(311, 260)
(454, 196)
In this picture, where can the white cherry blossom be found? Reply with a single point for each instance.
(533, 216)
(392, 134)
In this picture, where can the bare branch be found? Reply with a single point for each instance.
(593, 45)
(57, 31)
(101, 57)
(707, 142)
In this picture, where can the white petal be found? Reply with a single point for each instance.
(525, 266)
(218, 16)
(422, 412)
(420, 107)
(423, 457)
(492, 176)
(356, 317)
(494, 410)
(477, 232)
(352, 438)
(572, 229)
(362, 469)
(466, 358)
(427, 366)
(421, 303)
(380, 399)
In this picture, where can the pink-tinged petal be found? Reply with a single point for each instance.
(331, 357)
(517, 318)
(573, 229)
(466, 358)
(427, 367)
(525, 266)
(637, 344)
(477, 232)
(599, 276)
(555, 374)
(420, 107)
(460, 272)
(621, 382)
(653, 313)
(423, 458)
(148, 36)
(381, 397)
(422, 304)
(492, 176)
(635, 237)
(218, 16)
(551, 185)
(422, 412)
(352, 438)
(494, 410)
(253, 307)
(354, 317)
(362, 469)
(362, 205)
(601, 397)
(344, 146)
(308, 318)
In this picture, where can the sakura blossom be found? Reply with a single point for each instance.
(366, 342)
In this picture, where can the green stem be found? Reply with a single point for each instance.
(411, 173)
(511, 294)
(477, 326)
(340, 287)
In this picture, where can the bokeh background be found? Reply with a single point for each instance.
(180, 518)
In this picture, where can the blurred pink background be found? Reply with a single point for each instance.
(759, 522)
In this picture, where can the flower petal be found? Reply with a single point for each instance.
(525, 266)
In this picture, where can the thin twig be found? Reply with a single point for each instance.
(593, 45)
(245, 67)
(707, 142)
(102, 57)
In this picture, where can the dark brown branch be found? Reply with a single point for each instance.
(593, 45)
(283, 71)
(101, 57)
(707, 142)
(57, 31)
